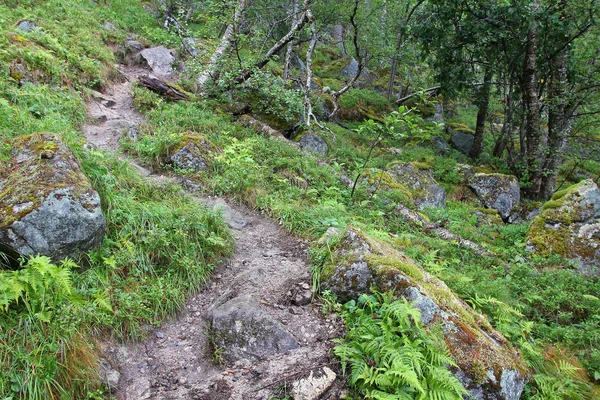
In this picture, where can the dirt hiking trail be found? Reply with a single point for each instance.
(278, 343)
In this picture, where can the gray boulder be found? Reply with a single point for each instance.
(351, 69)
(438, 115)
(462, 141)
(425, 190)
(159, 59)
(461, 137)
(189, 157)
(47, 205)
(313, 143)
(487, 364)
(27, 26)
(245, 332)
(569, 225)
(497, 191)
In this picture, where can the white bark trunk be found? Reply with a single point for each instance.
(224, 45)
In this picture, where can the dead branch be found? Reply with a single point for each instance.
(162, 88)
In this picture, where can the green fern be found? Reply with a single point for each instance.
(391, 355)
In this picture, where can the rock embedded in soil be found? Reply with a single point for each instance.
(425, 190)
(246, 332)
(313, 387)
(487, 364)
(496, 191)
(569, 225)
(313, 143)
(159, 59)
(189, 157)
(47, 205)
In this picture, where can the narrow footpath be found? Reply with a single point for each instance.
(266, 283)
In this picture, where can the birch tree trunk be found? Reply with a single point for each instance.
(290, 45)
(311, 48)
(224, 45)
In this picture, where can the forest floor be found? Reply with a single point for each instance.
(178, 360)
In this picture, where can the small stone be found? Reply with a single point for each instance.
(160, 335)
(27, 26)
(99, 119)
(109, 26)
(109, 103)
(311, 387)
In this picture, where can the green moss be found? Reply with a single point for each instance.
(455, 126)
(421, 165)
(382, 263)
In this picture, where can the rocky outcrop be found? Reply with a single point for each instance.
(487, 365)
(569, 225)
(246, 332)
(496, 191)
(417, 185)
(313, 143)
(47, 205)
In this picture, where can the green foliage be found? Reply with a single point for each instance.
(391, 355)
(42, 351)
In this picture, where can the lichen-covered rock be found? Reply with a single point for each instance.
(424, 189)
(159, 59)
(313, 143)
(245, 332)
(189, 157)
(47, 205)
(497, 191)
(569, 225)
(487, 365)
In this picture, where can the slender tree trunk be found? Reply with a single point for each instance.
(304, 18)
(484, 102)
(311, 48)
(534, 152)
(223, 46)
(507, 123)
(290, 45)
(395, 59)
(559, 123)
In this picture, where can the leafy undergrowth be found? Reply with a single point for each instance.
(536, 301)
(390, 353)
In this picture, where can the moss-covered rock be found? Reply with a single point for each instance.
(496, 191)
(487, 365)
(412, 180)
(461, 137)
(569, 225)
(47, 205)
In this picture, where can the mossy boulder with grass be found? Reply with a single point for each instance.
(569, 225)
(413, 181)
(488, 366)
(47, 205)
(497, 191)
(461, 137)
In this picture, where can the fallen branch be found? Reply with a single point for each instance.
(403, 99)
(162, 88)
(442, 232)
